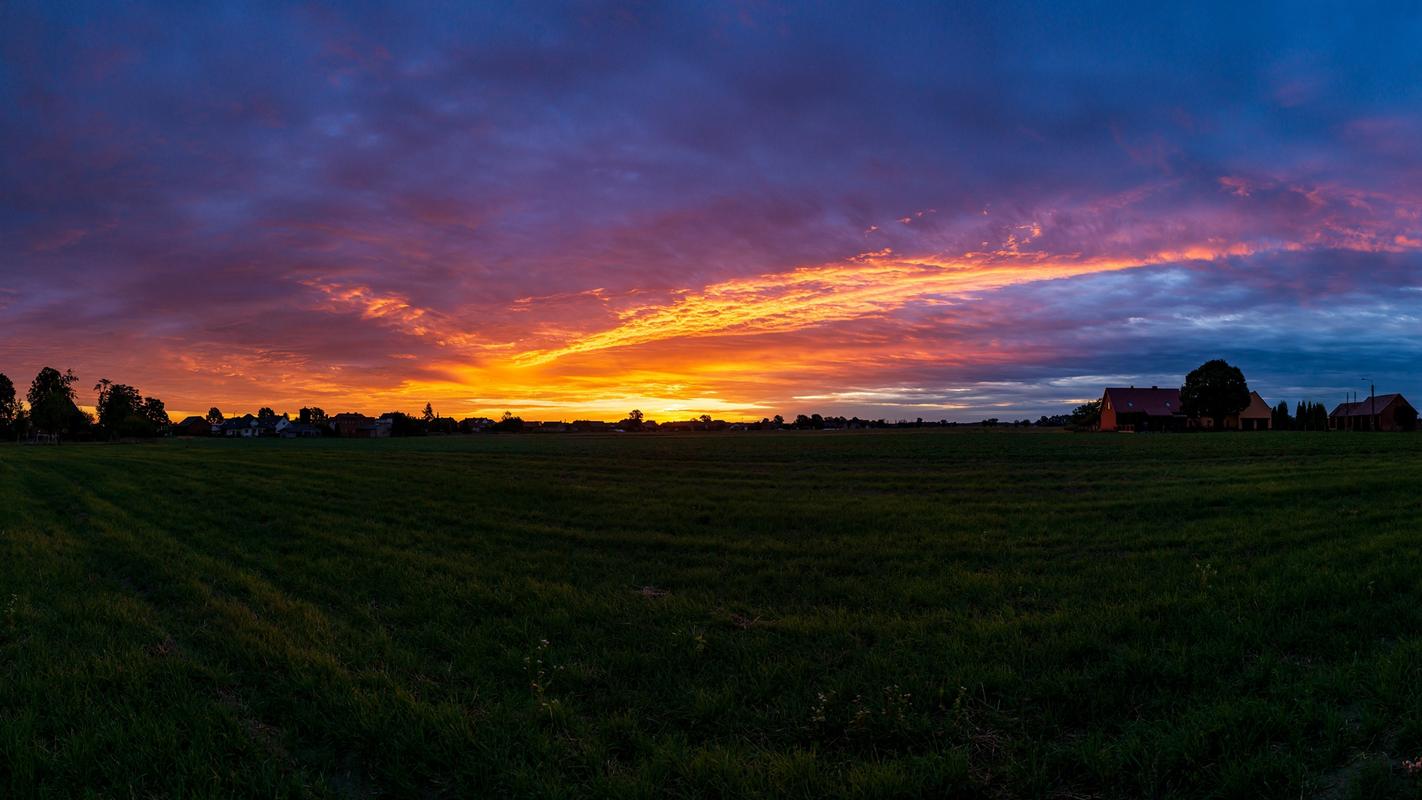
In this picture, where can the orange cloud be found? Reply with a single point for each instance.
(870, 284)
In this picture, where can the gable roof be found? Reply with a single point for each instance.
(1258, 409)
(192, 421)
(1362, 408)
(1153, 402)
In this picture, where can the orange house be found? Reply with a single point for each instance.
(1132, 409)
(1257, 417)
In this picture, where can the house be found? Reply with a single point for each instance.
(248, 427)
(359, 426)
(353, 425)
(1258, 416)
(1386, 412)
(244, 427)
(287, 429)
(193, 426)
(1132, 409)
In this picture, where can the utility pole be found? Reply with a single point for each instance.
(1372, 404)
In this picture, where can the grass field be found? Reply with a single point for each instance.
(974, 614)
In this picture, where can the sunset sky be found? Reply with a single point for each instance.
(893, 210)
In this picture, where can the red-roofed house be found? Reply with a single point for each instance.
(1392, 412)
(1133, 409)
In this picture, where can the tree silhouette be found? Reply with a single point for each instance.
(1086, 416)
(155, 412)
(9, 404)
(51, 398)
(1281, 419)
(214, 416)
(1215, 389)
(117, 402)
(508, 423)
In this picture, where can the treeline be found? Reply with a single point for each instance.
(50, 409)
(1306, 417)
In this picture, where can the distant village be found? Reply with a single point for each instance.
(1213, 397)
(313, 422)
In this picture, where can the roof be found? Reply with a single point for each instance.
(192, 421)
(1153, 402)
(1362, 408)
(1258, 409)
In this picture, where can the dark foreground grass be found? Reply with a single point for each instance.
(800, 615)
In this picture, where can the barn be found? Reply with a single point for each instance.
(193, 426)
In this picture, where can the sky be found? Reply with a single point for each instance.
(569, 210)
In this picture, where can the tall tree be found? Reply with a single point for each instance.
(1281, 419)
(265, 413)
(1215, 389)
(428, 415)
(10, 409)
(155, 412)
(214, 416)
(51, 398)
(116, 403)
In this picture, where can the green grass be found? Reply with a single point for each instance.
(959, 614)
